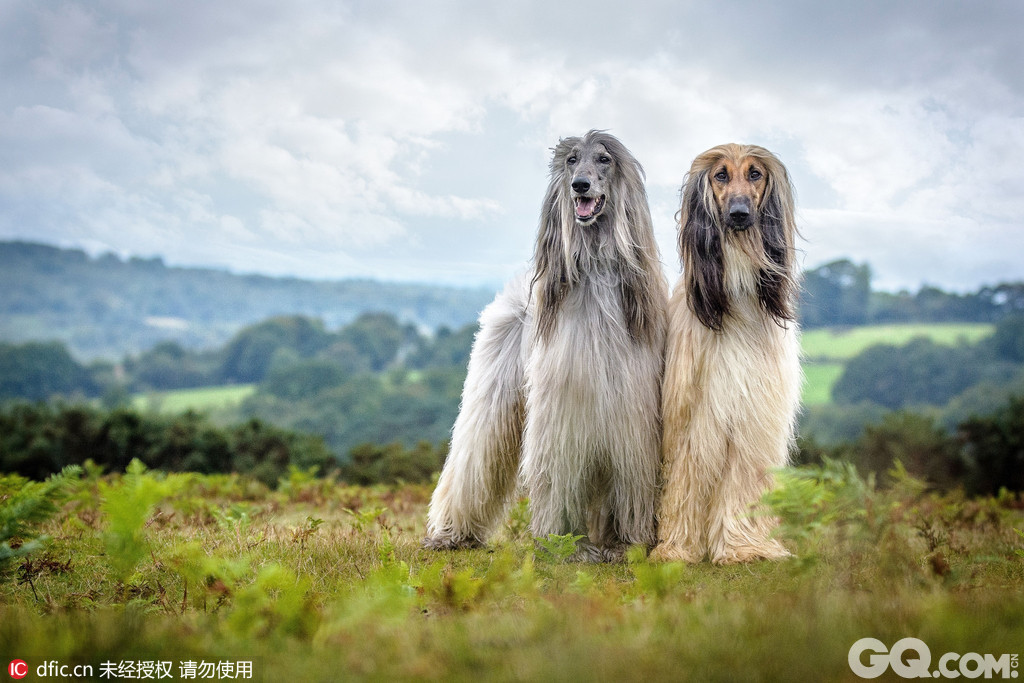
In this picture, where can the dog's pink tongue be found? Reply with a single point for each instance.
(585, 207)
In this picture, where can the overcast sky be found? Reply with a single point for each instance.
(409, 140)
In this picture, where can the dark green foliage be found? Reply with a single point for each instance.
(39, 439)
(168, 365)
(447, 349)
(924, 448)
(1008, 339)
(836, 293)
(300, 346)
(933, 305)
(302, 378)
(839, 293)
(248, 356)
(994, 449)
(920, 373)
(981, 456)
(378, 337)
(393, 463)
(41, 370)
(266, 452)
(832, 424)
(398, 406)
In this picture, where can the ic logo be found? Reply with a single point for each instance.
(18, 669)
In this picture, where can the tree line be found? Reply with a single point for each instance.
(373, 381)
(840, 293)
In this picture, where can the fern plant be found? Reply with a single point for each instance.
(24, 505)
(127, 506)
(556, 548)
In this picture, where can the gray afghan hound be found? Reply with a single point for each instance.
(732, 368)
(564, 378)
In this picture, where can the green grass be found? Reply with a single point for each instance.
(320, 581)
(819, 378)
(201, 399)
(837, 344)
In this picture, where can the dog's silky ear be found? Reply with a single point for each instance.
(776, 285)
(639, 264)
(700, 247)
(551, 270)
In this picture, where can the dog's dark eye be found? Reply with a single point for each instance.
(721, 176)
(754, 174)
(571, 160)
(605, 159)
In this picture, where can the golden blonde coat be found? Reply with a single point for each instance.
(732, 377)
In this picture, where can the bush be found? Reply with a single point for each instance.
(920, 373)
(994, 449)
(393, 463)
(924, 448)
(39, 439)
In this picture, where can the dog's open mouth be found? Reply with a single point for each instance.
(588, 208)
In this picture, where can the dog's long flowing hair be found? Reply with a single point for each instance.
(563, 384)
(732, 378)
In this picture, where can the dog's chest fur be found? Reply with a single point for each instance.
(747, 368)
(590, 363)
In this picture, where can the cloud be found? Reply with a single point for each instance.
(348, 138)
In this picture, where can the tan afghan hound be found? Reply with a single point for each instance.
(732, 373)
(564, 377)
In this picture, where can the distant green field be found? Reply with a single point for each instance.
(203, 398)
(826, 350)
(837, 344)
(818, 381)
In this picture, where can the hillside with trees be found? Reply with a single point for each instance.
(381, 389)
(108, 307)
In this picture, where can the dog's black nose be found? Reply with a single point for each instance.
(580, 185)
(740, 215)
(739, 212)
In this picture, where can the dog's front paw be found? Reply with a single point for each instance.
(447, 542)
(587, 552)
(614, 553)
(770, 550)
(668, 551)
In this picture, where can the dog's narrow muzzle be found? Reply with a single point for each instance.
(739, 213)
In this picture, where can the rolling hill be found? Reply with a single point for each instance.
(109, 307)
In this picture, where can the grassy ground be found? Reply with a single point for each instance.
(322, 581)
